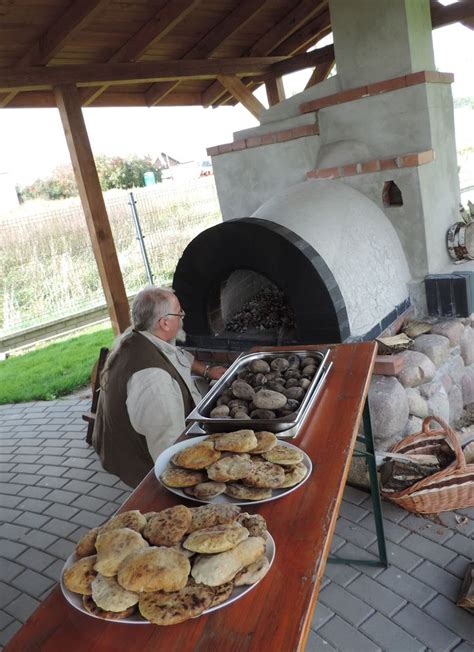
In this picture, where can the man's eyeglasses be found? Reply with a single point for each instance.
(181, 314)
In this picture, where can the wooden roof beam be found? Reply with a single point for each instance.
(458, 11)
(73, 19)
(233, 22)
(242, 94)
(320, 73)
(153, 31)
(275, 90)
(40, 78)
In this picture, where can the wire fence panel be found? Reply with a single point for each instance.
(48, 270)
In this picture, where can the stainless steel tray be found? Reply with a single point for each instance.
(283, 426)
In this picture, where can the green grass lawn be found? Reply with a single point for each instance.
(53, 369)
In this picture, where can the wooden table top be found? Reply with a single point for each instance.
(277, 613)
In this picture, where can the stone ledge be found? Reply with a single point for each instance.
(422, 77)
(264, 139)
(412, 159)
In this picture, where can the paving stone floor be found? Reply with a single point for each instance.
(52, 489)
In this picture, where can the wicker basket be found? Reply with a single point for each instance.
(450, 488)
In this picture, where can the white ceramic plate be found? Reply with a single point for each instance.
(165, 457)
(75, 599)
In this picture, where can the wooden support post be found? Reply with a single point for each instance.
(69, 105)
(320, 73)
(275, 90)
(242, 94)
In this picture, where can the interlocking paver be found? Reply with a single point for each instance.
(52, 483)
(430, 631)
(7, 594)
(61, 548)
(88, 519)
(10, 488)
(428, 549)
(456, 619)
(28, 519)
(9, 569)
(34, 505)
(376, 595)
(41, 540)
(7, 633)
(439, 579)
(342, 574)
(355, 532)
(64, 512)
(13, 531)
(36, 559)
(316, 644)
(11, 549)
(9, 500)
(391, 637)
(428, 528)
(344, 604)
(321, 615)
(345, 637)
(58, 527)
(34, 492)
(393, 531)
(458, 566)
(22, 607)
(79, 474)
(406, 586)
(461, 544)
(33, 583)
(62, 496)
(106, 493)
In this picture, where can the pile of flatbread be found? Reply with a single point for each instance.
(170, 565)
(243, 464)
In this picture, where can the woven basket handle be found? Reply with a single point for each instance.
(450, 435)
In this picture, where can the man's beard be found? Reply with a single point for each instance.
(181, 337)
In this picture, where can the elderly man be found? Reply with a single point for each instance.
(146, 388)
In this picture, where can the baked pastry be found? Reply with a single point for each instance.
(86, 544)
(222, 593)
(110, 596)
(113, 546)
(266, 441)
(78, 577)
(241, 492)
(284, 455)
(264, 475)
(213, 570)
(239, 441)
(168, 526)
(294, 475)
(196, 457)
(230, 468)
(163, 608)
(132, 519)
(206, 490)
(216, 539)
(173, 477)
(253, 573)
(155, 569)
(92, 608)
(255, 524)
(210, 515)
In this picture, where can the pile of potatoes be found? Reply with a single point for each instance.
(267, 388)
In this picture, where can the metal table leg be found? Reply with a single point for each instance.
(369, 453)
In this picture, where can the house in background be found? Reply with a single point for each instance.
(174, 170)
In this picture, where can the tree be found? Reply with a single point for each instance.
(113, 171)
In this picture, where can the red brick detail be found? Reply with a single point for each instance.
(431, 76)
(387, 85)
(388, 365)
(388, 163)
(371, 166)
(418, 158)
(265, 139)
(349, 170)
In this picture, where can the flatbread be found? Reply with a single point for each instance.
(222, 593)
(78, 577)
(168, 527)
(241, 492)
(210, 515)
(110, 596)
(176, 478)
(255, 524)
(163, 608)
(216, 539)
(264, 475)
(253, 573)
(113, 546)
(132, 519)
(91, 607)
(196, 457)
(206, 490)
(155, 569)
(86, 544)
(283, 455)
(213, 570)
(239, 441)
(266, 441)
(230, 468)
(294, 476)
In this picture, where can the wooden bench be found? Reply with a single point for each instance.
(89, 417)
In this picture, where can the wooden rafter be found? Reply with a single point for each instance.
(275, 90)
(280, 32)
(242, 94)
(446, 15)
(153, 31)
(234, 21)
(68, 24)
(69, 105)
(320, 73)
(305, 37)
(40, 78)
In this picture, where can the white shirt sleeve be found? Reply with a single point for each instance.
(155, 407)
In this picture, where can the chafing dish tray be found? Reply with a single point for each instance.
(286, 426)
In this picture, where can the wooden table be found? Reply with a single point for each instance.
(277, 613)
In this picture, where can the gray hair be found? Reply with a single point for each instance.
(149, 306)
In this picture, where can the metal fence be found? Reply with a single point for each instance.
(48, 270)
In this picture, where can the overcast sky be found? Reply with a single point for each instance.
(32, 140)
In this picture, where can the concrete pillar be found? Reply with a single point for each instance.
(376, 40)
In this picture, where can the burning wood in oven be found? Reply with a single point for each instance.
(266, 310)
